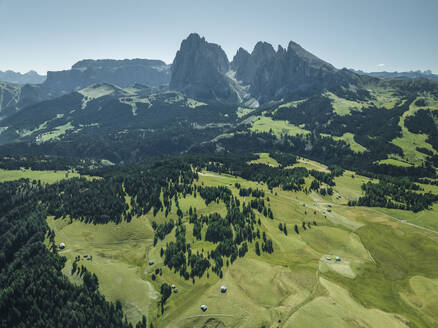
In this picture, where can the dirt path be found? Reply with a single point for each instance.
(403, 221)
(209, 315)
(308, 299)
(210, 175)
(313, 164)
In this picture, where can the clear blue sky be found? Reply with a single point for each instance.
(362, 34)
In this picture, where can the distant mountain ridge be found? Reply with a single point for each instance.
(407, 75)
(214, 105)
(122, 73)
(14, 97)
(202, 71)
(30, 77)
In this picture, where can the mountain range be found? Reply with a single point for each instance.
(200, 70)
(122, 73)
(31, 77)
(124, 110)
(404, 75)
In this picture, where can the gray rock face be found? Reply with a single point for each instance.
(286, 72)
(244, 66)
(199, 70)
(122, 73)
(263, 52)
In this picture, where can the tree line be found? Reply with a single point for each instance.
(34, 290)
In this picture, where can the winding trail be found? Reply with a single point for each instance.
(402, 221)
(209, 315)
(310, 205)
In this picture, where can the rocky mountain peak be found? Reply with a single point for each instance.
(263, 51)
(285, 73)
(295, 50)
(240, 58)
(199, 70)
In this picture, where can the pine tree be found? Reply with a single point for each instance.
(257, 248)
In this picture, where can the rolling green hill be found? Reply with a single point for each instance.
(386, 276)
(105, 121)
(288, 218)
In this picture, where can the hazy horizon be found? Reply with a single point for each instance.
(372, 36)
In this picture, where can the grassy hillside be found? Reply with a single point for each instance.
(9, 97)
(387, 276)
(266, 124)
(43, 176)
(364, 123)
(409, 141)
(107, 122)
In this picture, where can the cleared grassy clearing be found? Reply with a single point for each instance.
(57, 132)
(119, 258)
(292, 104)
(25, 133)
(395, 162)
(267, 124)
(242, 111)
(343, 106)
(384, 97)
(100, 90)
(311, 165)
(43, 176)
(349, 139)
(410, 141)
(264, 158)
(348, 186)
(192, 103)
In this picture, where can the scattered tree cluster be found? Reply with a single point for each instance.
(284, 159)
(395, 193)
